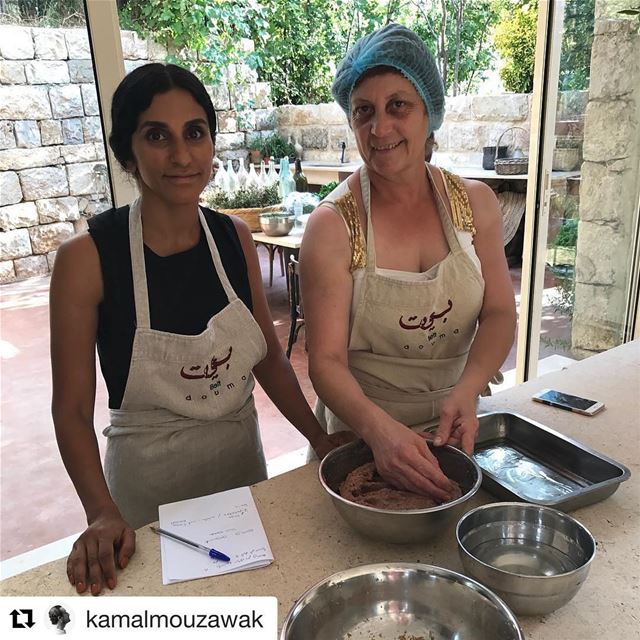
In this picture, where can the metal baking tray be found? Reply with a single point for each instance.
(526, 461)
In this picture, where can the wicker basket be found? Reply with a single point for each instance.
(510, 166)
(252, 215)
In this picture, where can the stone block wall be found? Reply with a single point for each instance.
(474, 122)
(471, 122)
(53, 173)
(52, 170)
(609, 189)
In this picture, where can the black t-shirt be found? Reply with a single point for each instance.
(184, 289)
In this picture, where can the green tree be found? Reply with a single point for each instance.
(203, 35)
(575, 60)
(515, 39)
(457, 32)
(305, 40)
(43, 13)
(299, 43)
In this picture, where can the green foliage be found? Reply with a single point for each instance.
(567, 235)
(467, 24)
(515, 39)
(308, 38)
(575, 60)
(244, 198)
(43, 13)
(327, 188)
(203, 35)
(254, 142)
(305, 39)
(275, 146)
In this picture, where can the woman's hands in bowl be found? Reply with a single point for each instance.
(404, 459)
(458, 424)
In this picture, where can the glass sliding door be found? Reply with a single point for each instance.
(106, 48)
(584, 239)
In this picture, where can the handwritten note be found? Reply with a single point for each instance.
(227, 521)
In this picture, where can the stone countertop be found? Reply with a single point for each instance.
(323, 169)
(310, 541)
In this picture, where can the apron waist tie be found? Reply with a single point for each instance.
(129, 422)
(390, 394)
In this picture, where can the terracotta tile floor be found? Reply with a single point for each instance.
(38, 501)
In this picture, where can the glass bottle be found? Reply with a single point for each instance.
(272, 174)
(253, 181)
(263, 177)
(285, 181)
(216, 163)
(242, 175)
(221, 180)
(299, 178)
(233, 178)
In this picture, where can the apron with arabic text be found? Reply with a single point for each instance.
(187, 425)
(410, 340)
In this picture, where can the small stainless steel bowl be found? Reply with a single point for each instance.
(399, 600)
(416, 525)
(534, 557)
(276, 224)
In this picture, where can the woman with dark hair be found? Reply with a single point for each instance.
(406, 329)
(172, 295)
(58, 615)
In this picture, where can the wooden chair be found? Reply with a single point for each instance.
(296, 312)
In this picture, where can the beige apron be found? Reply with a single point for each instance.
(410, 340)
(187, 425)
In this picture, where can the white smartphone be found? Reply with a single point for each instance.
(568, 402)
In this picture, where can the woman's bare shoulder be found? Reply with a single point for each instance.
(77, 267)
(78, 248)
(484, 204)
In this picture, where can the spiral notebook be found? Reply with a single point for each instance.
(227, 521)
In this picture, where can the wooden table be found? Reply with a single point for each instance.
(287, 246)
(310, 541)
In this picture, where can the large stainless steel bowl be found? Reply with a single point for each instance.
(416, 525)
(276, 224)
(399, 600)
(534, 557)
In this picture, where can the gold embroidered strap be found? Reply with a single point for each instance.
(348, 209)
(459, 201)
(460, 211)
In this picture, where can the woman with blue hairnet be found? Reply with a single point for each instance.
(408, 301)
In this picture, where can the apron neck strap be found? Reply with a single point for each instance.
(217, 261)
(447, 224)
(365, 188)
(445, 218)
(139, 270)
(138, 267)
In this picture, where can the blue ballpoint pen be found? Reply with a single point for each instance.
(212, 553)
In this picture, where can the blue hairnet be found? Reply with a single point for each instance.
(398, 47)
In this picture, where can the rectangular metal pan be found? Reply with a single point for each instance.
(526, 461)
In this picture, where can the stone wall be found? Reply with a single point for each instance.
(471, 122)
(52, 170)
(609, 189)
(53, 173)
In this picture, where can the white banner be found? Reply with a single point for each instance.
(130, 618)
